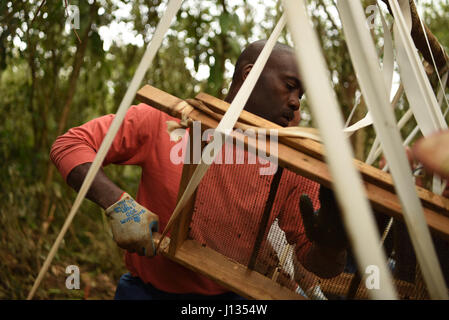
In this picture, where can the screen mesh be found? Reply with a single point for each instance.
(255, 220)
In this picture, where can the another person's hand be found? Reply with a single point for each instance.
(433, 153)
(421, 176)
(133, 226)
(324, 227)
(410, 158)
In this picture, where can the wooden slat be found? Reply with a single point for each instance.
(180, 229)
(159, 99)
(381, 199)
(227, 272)
(262, 231)
(340, 284)
(253, 285)
(307, 146)
(315, 149)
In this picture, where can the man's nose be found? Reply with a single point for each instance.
(294, 103)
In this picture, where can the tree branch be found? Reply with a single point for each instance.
(417, 33)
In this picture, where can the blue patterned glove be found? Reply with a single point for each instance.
(133, 226)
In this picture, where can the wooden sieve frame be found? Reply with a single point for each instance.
(302, 156)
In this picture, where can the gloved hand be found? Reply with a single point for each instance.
(324, 227)
(133, 226)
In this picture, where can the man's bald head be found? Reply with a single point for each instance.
(278, 89)
(250, 54)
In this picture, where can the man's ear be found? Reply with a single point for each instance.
(246, 69)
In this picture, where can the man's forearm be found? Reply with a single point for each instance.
(325, 262)
(103, 191)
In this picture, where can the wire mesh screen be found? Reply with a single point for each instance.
(255, 220)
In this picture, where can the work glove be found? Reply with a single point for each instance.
(324, 227)
(133, 226)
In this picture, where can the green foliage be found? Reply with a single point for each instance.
(49, 82)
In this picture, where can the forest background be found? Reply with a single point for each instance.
(53, 78)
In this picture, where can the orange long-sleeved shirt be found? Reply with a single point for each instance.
(230, 199)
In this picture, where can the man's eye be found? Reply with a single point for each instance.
(290, 86)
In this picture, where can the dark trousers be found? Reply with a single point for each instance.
(133, 288)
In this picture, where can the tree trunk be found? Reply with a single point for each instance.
(77, 63)
(359, 137)
(417, 33)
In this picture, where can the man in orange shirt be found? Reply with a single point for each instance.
(142, 140)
